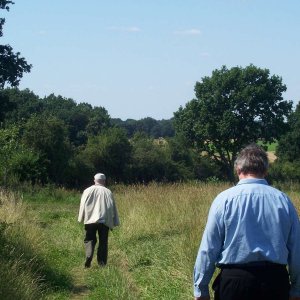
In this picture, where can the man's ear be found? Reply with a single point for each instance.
(238, 171)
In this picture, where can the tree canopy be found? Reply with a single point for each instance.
(289, 145)
(234, 107)
(12, 65)
(65, 142)
(287, 164)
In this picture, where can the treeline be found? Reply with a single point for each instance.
(55, 140)
(287, 164)
(151, 127)
(58, 141)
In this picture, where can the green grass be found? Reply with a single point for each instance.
(271, 147)
(151, 255)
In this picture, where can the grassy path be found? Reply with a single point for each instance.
(80, 289)
(151, 255)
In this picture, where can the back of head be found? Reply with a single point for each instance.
(99, 178)
(252, 160)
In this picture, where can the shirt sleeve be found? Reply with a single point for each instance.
(209, 251)
(293, 245)
(81, 208)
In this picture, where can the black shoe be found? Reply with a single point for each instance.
(101, 264)
(87, 263)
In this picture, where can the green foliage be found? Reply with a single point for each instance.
(289, 145)
(149, 161)
(70, 142)
(62, 142)
(80, 120)
(234, 107)
(8, 147)
(109, 153)
(285, 170)
(27, 166)
(151, 127)
(22, 105)
(5, 106)
(17, 162)
(12, 65)
(99, 120)
(190, 164)
(287, 165)
(4, 4)
(47, 136)
(160, 160)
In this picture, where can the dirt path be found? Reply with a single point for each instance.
(271, 155)
(80, 290)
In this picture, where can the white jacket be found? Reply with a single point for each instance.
(97, 203)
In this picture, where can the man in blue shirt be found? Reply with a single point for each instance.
(252, 234)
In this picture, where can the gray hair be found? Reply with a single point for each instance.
(252, 160)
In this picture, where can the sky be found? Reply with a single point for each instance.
(142, 58)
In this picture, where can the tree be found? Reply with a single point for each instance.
(287, 164)
(98, 121)
(234, 107)
(12, 65)
(5, 106)
(9, 145)
(22, 105)
(108, 152)
(4, 4)
(288, 148)
(47, 136)
(16, 160)
(150, 126)
(149, 160)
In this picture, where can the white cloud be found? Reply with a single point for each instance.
(204, 54)
(192, 31)
(132, 29)
(42, 32)
(125, 29)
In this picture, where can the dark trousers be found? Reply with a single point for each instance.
(91, 240)
(269, 282)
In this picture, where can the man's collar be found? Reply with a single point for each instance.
(253, 180)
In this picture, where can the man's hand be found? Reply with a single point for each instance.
(208, 298)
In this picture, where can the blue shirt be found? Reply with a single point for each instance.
(248, 223)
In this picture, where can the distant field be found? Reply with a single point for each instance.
(271, 146)
(151, 255)
(271, 150)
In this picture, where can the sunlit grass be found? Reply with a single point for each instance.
(19, 274)
(151, 255)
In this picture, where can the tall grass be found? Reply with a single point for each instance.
(156, 244)
(151, 255)
(18, 275)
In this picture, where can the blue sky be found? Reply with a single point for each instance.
(142, 58)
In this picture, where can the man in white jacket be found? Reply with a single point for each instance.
(98, 212)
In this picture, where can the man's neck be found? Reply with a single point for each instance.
(249, 176)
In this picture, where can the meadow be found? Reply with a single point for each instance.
(151, 255)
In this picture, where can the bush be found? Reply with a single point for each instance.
(285, 171)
